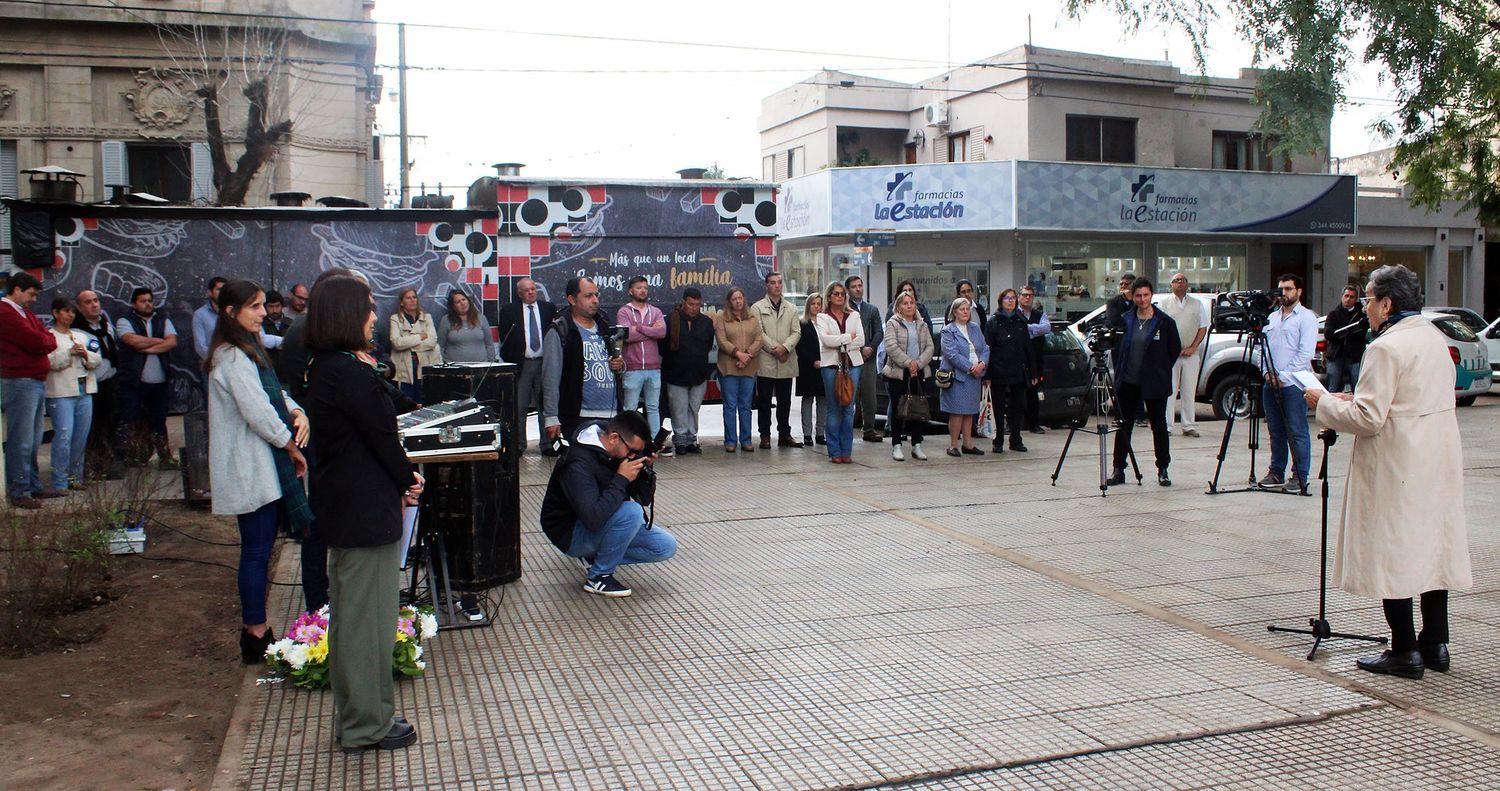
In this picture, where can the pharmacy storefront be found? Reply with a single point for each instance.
(1067, 230)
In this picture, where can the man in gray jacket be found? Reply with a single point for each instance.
(869, 316)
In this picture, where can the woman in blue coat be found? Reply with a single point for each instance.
(966, 354)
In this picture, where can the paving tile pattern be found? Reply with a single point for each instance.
(815, 631)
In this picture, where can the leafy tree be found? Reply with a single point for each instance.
(1439, 58)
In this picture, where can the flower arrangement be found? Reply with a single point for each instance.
(302, 655)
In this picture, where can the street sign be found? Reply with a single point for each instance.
(882, 239)
(863, 256)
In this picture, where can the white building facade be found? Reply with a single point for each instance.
(1063, 171)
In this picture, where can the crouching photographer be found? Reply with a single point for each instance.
(597, 499)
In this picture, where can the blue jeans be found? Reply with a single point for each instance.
(22, 400)
(1289, 429)
(738, 393)
(623, 539)
(71, 419)
(840, 418)
(648, 382)
(257, 536)
(1340, 373)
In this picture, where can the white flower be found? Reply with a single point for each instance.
(277, 650)
(428, 625)
(295, 655)
(417, 654)
(421, 665)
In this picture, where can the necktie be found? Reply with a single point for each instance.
(535, 327)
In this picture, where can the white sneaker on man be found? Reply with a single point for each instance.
(896, 452)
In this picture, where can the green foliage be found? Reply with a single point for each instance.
(1438, 60)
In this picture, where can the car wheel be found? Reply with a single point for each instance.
(1467, 400)
(1233, 395)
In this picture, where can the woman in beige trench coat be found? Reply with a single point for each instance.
(1402, 532)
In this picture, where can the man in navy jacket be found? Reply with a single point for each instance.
(1143, 372)
(593, 507)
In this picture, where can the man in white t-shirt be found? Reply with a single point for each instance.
(1191, 315)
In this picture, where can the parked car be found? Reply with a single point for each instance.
(1227, 369)
(1470, 318)
(1491, 338)
(1472, 360)
(1065, 383)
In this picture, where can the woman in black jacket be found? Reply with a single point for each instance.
(809, 379)
(359, 480)
(1013, 366)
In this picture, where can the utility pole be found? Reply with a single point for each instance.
(405, 153)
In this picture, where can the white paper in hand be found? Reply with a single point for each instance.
(1307, 380)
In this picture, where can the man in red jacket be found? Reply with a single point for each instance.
(24, 346)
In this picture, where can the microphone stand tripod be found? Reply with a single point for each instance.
(1319, 628)
(1102, 403)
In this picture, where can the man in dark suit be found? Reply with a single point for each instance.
(1143, 372)
(869, 317)
(523, 322)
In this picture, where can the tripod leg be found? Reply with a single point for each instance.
(1103, 460)
(1067, 443)
(1135, 467)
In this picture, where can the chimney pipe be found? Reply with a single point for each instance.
(508, 168)
(692, 173)
(290, 198)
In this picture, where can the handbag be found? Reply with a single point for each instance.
(843, 383)
(943, 378)
(912, 407)
(984, 424)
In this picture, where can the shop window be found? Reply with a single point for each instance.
(1073, 278)
(1210, 268)
(1364, 259)
(1094, 139)
(937, 284)
(802, 271)
(1245, 151)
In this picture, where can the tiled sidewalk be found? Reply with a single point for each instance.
(954, 624)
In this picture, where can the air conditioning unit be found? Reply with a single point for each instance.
(937, 113)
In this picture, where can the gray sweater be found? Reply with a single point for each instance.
(464, 344)
(242, 428)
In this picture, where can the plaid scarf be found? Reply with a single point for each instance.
(299, 515)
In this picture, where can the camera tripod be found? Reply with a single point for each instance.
(1248, 397)
(1102, 405)
(1318, 626)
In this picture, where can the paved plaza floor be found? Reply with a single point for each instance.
(949, 624)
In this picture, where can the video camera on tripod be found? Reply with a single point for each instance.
(1247, 310)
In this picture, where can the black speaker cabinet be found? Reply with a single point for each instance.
(476, 505)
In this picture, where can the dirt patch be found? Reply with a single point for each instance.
(141, 694)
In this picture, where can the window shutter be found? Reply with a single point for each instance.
(375, 183)
(976, 144)
(112, 152)
(779, 169)
(940, 149)
(203, 174)
(9, 187)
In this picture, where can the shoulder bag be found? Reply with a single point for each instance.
(913, 405)
(843, 383)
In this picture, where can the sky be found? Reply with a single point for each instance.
(563, 89)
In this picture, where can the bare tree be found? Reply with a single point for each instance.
(216, 60)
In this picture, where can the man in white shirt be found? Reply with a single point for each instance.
(1291, 339)
(106, 458)
(146, 337)
(522, 325)
(1191, 315)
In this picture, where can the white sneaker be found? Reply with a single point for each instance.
(896, 452)
(916, 452)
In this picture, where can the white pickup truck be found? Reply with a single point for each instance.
(1226, 365)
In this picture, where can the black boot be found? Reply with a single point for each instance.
(1406, 664)
(252, 648)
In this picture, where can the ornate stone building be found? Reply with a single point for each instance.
(111, 91)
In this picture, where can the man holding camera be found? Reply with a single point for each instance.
(580, 365)
(1143, 372)
(1291, 339)
(1344, 328)
(594, 509)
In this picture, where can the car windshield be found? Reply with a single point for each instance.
(1470, 319)
(1061, 340)
(1454, 327)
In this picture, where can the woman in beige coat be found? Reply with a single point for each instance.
(414, 343)
(739, 333)
(1402, 532)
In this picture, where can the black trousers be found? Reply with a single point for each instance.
(143, 419)
(1009, 401)
(1034, 405)
(105, 453)
(1128, 398)
(765, 388)
(1404, 635)
(901, 431)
